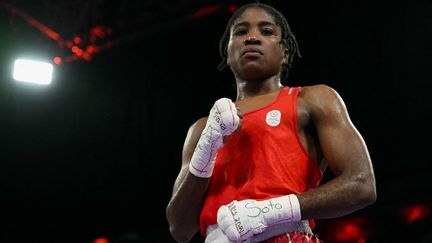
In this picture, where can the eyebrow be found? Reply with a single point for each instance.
(260, 24)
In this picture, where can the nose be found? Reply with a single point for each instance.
(252, 40)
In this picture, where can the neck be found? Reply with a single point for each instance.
(248, 89)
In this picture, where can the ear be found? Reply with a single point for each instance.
(285, 55)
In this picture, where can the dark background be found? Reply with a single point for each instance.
(95, 154)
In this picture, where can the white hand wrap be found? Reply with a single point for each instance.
(240, 220)
(222, 121)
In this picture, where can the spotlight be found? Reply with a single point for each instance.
(32, 71)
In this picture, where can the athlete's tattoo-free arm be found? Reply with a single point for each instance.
(345, 151)
(185, 206)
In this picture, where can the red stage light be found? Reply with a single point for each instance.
(57, 60)
(86, 56)
(69, 44)
(77, 40)
(205, 11)
(349, 232)
(351, 229)
(101, 240)
(75, 49)
(232, 8)
(90, 49)
(415, 212)
(355, 229)
(79, 52)
(98, 31)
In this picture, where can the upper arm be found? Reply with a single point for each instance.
(342, 145)
(192, 137)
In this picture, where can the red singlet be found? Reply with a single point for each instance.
(265, 159)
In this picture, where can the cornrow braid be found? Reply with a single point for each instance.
(288, 39)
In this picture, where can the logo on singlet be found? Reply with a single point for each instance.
(273, 118)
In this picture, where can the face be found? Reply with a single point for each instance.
(254, 49)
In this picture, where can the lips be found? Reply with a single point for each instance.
(252, 51)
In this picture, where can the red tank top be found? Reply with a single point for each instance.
(265, 159)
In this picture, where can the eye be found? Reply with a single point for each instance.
(239, 32)
(268, 31)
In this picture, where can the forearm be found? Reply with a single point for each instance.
(341, 196)
(184, 208)
(204, 139)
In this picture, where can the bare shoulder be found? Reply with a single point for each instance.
(318, 93)
(321, 100)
